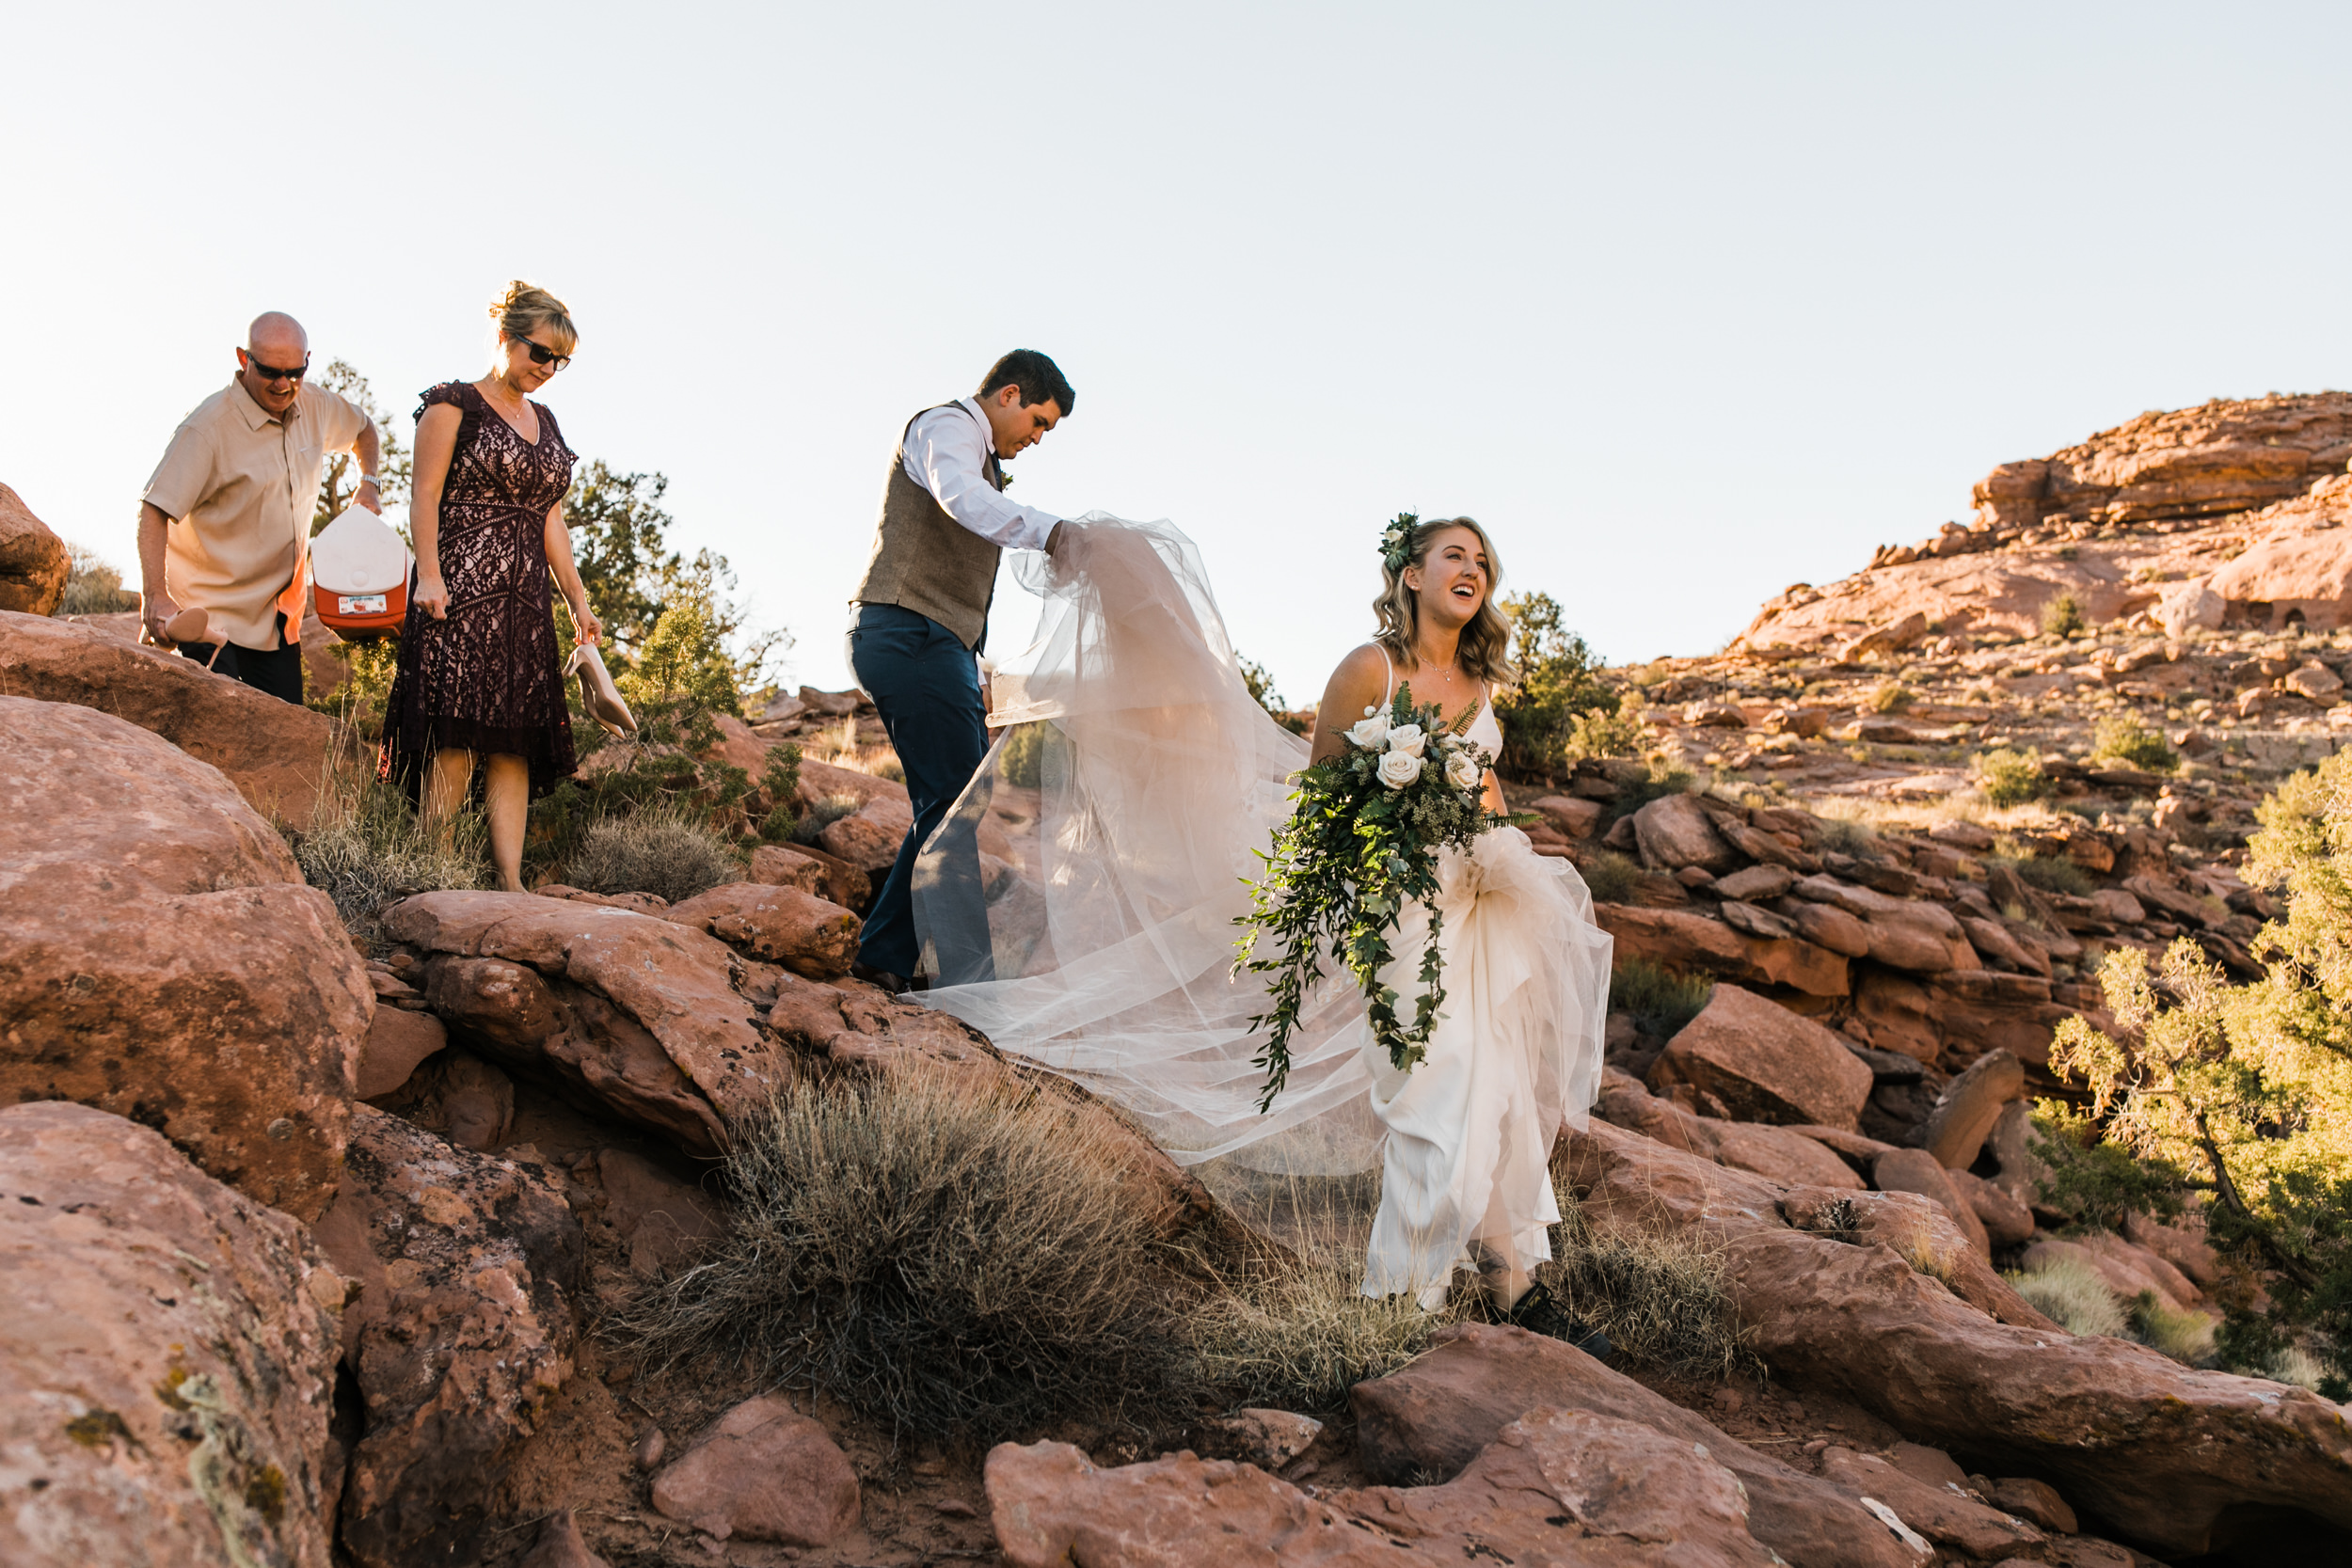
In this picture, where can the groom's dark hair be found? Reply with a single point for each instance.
(1039, 379)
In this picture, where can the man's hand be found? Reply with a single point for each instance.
(431, 597)
(369, 495)
(156, 609)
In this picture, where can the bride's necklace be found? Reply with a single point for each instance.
(1449, 697)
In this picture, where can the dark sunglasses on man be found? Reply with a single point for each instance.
(271, 372)
(542, 355)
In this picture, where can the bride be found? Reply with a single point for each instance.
(1114, 827)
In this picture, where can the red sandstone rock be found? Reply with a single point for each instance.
(1765, 1063)
(397, 1042)
(1437, 1415)
(809, 936)
(764, 1472)
(661, 1218)
(1915, 1170)
(1939, 1512)
(560, 1545)
(161, 959)
(1674, 831)
(1969, 1105)
(1679, 940)
(167, 1357)
(788, 865)
(275, 753)
(33, 561)
(1573, 817)
(2007, 1221)
(469, 1269)
(1563, 1486)
(631, 1013)
(2129, 1434)
(868, 837)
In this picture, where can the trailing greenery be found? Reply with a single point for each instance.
(1559, 684)
(1361, 843)
(2244, 1091)
(2124, 737)
(2010, 778)
(1660, 1000)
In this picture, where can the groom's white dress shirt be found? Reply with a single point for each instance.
(947, 453)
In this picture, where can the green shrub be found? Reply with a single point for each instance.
(1849, 836)
(2073, 1295)
(1614, 731)
(1611, 877)
(2097, 1182)
(946, 1262)
(1261, 683)
(1559, 682)
(663, 851)
(2010, 778)
(2124, 739)
(1660, 1000)
(1890, 697)
(91, 586)
(1024, 759)
(2063, 617)
(1663, 779)
(365, 849)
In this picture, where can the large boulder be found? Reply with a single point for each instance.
(161, 959)
(2183, 1461)
(1765, 1063)
(1437, 1413)
(1555, 1486)
(1970, 1104)
(631, 1014)
(275, 753)
(1679, 940)
(1915, 1170)
(1792, 1156)
(806, 934)
(33, 561)
(469, 1269)
(167, 1358)
(1674, 831)
(2299, 570)
(869, 837)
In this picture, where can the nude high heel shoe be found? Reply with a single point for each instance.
(190, 626)
(598, 693)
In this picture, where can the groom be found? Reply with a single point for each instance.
(919, 619)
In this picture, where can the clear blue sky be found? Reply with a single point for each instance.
(1685, 302)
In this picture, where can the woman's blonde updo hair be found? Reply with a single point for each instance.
(525, 308)
(1485, 647)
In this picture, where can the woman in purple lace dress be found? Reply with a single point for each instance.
(480, 677)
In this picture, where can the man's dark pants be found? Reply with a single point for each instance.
(927, 689)
(276, 671)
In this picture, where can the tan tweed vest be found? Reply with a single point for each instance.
(926, 561)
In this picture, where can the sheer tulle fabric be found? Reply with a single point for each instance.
(1078, 906)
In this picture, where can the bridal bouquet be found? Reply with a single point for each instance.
(1363, 842)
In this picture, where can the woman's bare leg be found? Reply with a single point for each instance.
(508, 790)
(445, 791)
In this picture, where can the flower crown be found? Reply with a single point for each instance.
(1396, 542)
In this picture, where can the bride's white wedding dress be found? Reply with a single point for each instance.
(1079, 904)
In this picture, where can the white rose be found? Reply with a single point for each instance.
(1399, 768)
(1463, 772)
(1371, 732)
(1408, 739)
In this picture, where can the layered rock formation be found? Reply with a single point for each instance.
(33, 561)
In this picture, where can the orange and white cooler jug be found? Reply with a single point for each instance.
(360, 576)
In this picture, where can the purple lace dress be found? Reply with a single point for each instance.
(488, 679)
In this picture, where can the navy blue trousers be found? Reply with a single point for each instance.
(926, 689)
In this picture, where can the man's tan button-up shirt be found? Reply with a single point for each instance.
(239, 485)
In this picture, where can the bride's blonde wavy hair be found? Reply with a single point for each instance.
(1486, 650)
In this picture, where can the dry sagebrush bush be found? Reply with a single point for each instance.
(951, 1260)
(1662, 1297)
(660, 853)
(365, 848)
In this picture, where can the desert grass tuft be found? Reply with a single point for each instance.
(2185, 1336)
(659, 851)
(365, 849)
(1609, 875)
(1661, 1000)
(820, 815)
(2073, 1295)
(947, 1261)
(1663, 1296)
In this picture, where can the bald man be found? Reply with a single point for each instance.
(225, 523)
